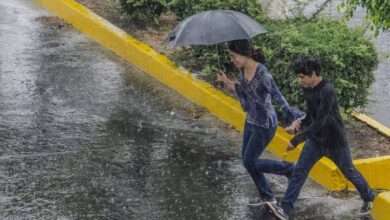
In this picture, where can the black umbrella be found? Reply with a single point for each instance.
(213, 27)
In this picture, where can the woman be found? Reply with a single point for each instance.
(255, 90)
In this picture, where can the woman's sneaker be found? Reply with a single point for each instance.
(366, 209)
(276, 211)
(259, 202)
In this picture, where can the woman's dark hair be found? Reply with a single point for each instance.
(306, 65)
(244, 48)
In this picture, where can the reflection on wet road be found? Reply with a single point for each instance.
(84, 135)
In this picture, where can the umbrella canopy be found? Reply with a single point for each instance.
(213, 27)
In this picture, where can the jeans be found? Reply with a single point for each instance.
(309, 156)
(255, 140)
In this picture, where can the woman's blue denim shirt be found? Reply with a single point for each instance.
(255, 97)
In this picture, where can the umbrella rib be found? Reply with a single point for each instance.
(236, 20)
(180, 28)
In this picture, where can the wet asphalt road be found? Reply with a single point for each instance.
(84, 135)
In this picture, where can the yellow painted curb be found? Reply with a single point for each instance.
(376, 171)
(160, 67)
(381, 208)
(371, 122)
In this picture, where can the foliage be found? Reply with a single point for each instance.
(185, 8)
(150, 10)
(144, 10)
(348, 59)
(378, 12)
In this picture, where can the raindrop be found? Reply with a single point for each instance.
(139, 126)
(225, 187)
(219, 163)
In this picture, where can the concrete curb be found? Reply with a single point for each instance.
(375, 170)
(160, 67)
(372, 123)
(381, 208)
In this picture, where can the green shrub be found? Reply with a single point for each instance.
(150, 10)
(185, 8)
(144, 10)
(348, 59)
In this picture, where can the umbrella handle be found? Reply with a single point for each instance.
(219, 63)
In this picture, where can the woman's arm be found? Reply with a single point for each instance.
(278, 97)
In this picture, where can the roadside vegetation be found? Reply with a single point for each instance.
(348, 58)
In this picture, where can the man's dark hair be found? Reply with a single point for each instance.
(245, 48)
(306, 65)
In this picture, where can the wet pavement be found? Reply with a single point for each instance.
(85, 135)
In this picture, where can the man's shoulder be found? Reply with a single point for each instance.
(328, 86)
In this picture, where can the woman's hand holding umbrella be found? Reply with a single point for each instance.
(221, 77)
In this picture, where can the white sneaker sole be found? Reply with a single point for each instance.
(261, 203)
(363, 214)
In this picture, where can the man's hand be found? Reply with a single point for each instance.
(290, 129)
(290, 146)
(294, 127)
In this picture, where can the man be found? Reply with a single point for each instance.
(325, 135)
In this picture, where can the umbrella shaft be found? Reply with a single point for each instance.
(219, 64)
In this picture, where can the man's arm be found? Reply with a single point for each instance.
(323, 117)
